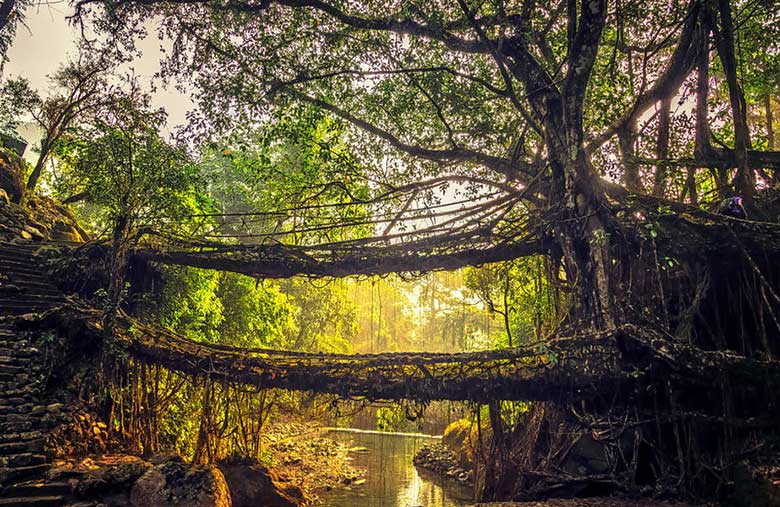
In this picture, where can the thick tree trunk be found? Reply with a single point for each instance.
(118, 260)
(627, 144)
(702, 148)
(499, 469)
(35, 175)
(6, 8)
(745, 179)
(690, 187)
(770, 130)
(662, 145)
(202, 455)
(770, 133)
(506, 312)
(585, 245)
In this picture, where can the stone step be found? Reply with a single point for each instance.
(11, 363)
(18, 279)
(14, 343)
(7, 331)
(11, 367)
(6, 256)
(39, 277)
(15, 365)
(24, 459)
(22, 261)
(16, 360)
(42, 280)
(26, 436)
(21, 247)
(47, 297)
(30, 296)
(19, 400)
(13, 310)
(16, 255)
(25, 309)
(15, 393)
(16, 409)
(18, 274)
(11, 373)
(36, 445)
(20, 353)
(22, 417)
(28, 292)
(22, 378)
(18, 474)
(29, 274)
(30, 300)
(20, 426)
(17, 312)
(15, 385)
(37, 489)
(37, 501)
(28, 289)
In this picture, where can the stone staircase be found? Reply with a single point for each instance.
(24, 284)
(24, 416)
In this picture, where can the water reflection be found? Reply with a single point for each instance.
(391, 478)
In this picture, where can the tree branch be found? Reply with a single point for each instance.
(500, 165)
(693, 40)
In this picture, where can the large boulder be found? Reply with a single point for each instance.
(12, 175)
(254, 485)
(101, 476)
(177, 484)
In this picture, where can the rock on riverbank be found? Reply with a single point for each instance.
(302, 457)
(439, 459)
(129, 481)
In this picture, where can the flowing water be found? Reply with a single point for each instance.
(392, 480)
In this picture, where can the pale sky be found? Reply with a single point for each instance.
(48, 41)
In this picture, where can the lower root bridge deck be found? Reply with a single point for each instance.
(580, 366)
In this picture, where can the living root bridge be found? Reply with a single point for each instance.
(285, 261)
(585, 366)
(684, 232)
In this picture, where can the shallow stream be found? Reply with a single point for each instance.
(392, 480)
